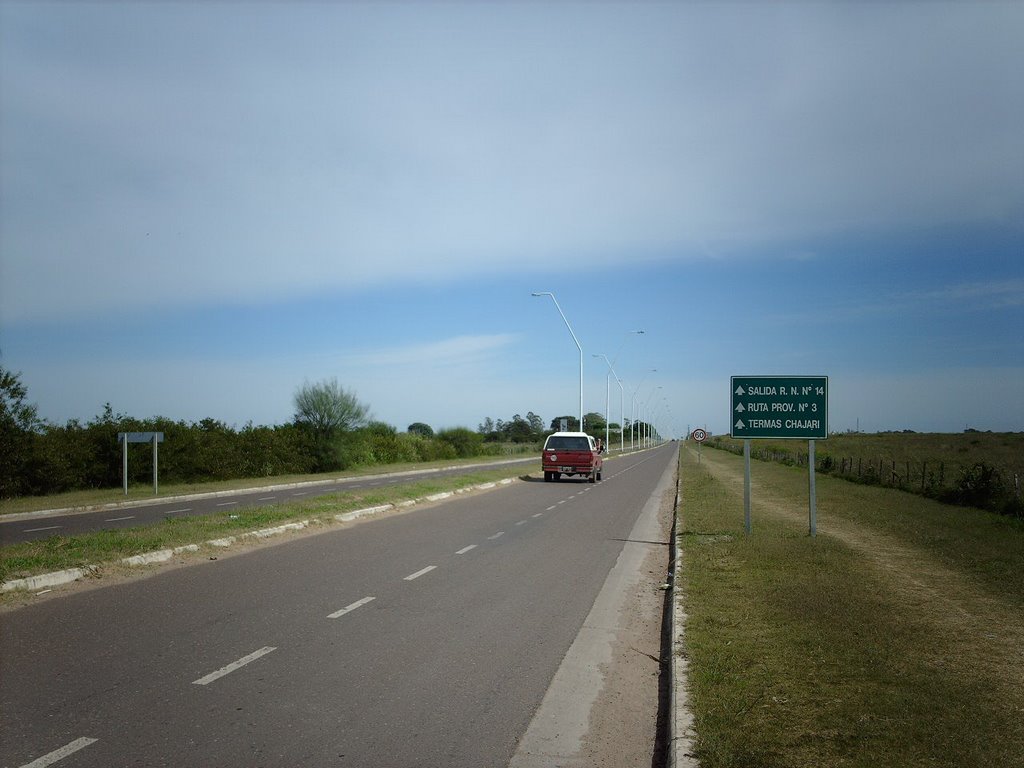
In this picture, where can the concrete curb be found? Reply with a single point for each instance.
(57, 578)
(681, 731)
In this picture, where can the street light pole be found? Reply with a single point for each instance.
(622, 392)
(607, 399)
(632, 410)
(578, 346)
(647, 422)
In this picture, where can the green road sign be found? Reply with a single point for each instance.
(779, 407)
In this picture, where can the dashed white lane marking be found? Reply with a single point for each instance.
(266, 498)
(48, 528)
(563, 501)
(227, 503)
(234, 665)
(176, 511)
(419, 573)
(498, 535)
(551, 507)
(522, 522)
(60, 754)
(539, 514)
(349, 608)
(119, 519)
(301, 493)
(464, 550)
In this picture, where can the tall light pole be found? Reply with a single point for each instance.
(607, 397)
(622, 392)
(632, 409)
(578, 346)
(646, 412)
(647, 418)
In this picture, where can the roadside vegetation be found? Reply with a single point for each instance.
(975, 469)
(892, 638)
(331, 432)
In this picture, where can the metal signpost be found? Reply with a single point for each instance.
(700, 436)
(779, 408)
(139, 437)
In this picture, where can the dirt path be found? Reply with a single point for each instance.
(978, 632)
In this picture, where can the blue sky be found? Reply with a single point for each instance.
(204, 205)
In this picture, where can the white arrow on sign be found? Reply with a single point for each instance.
(740, 390)
(740, 408)
(740, 424)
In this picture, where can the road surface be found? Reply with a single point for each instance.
(34, 526)
(425, 639)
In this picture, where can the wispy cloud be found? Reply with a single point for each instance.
(963, 296)
(998, 294)
(453, 351)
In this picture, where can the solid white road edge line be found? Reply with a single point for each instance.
(350, 608)
(234, 665)
(60, 754)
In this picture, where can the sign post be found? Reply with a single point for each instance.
(139, 437)
(780, 408)
(700, 436)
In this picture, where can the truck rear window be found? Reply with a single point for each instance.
(567, 444)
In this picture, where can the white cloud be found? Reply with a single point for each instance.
(166, 154)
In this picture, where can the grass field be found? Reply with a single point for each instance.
(894, 638)
(935, 465)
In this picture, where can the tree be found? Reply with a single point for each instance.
(421, 429)
(518, 430)
(18, 424)
(327, 409)
(536, 424)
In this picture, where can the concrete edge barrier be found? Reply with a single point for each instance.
(681, 732)
(57, 578)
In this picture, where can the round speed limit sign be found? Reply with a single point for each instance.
(700, 435)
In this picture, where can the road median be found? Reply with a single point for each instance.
(60, 560)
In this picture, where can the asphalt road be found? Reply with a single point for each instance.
(34, 526)
(425, 639)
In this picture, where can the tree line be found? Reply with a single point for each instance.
(331, 431)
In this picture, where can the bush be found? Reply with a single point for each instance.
(465, 442)
(979, 486)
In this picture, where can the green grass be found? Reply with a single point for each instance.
(888, 640)
(104, 548)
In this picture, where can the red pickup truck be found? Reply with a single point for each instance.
(571, 453)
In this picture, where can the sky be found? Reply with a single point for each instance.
(204, 206)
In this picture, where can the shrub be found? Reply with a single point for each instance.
(465, 441)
